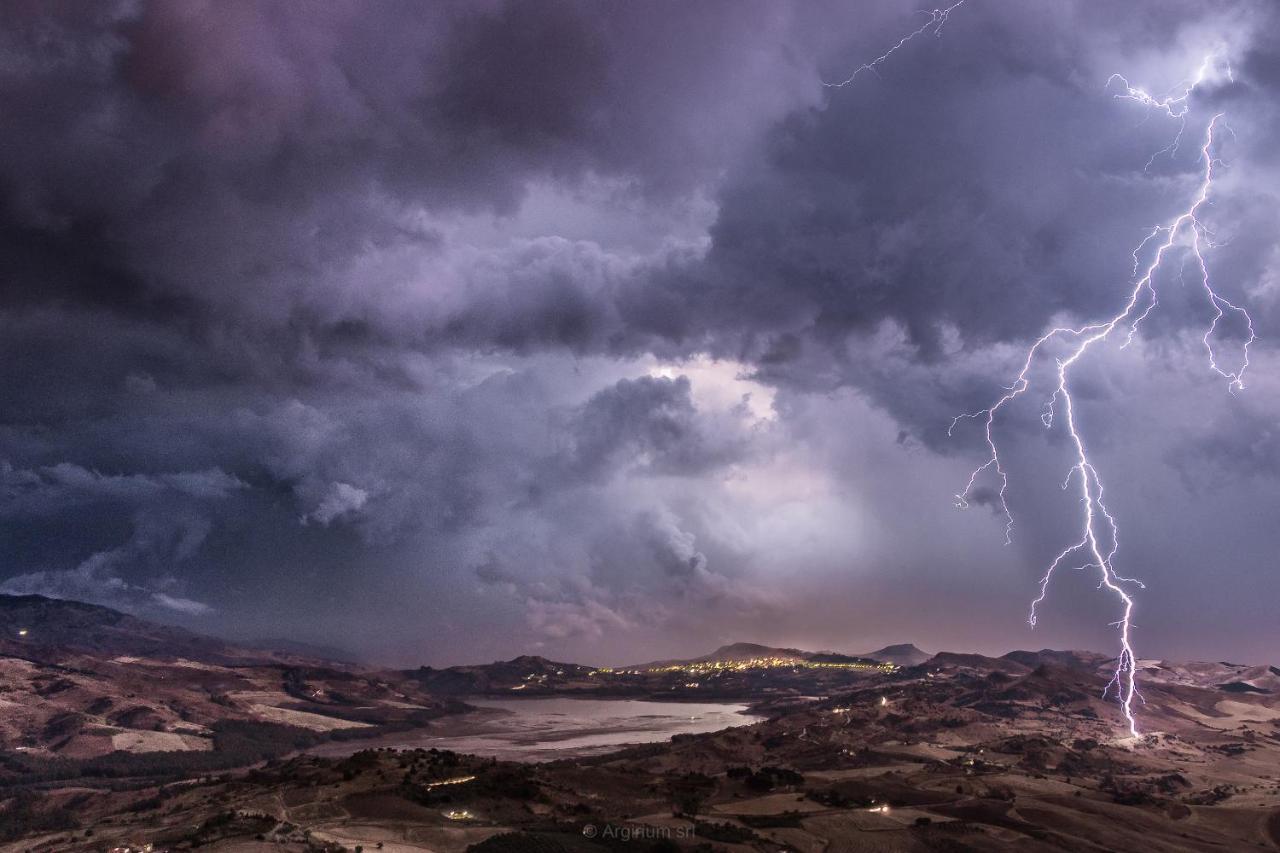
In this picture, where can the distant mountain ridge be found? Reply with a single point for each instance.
(729, 652)
(45, 630)
(42, 629)
(902, 654)
(733, 652)
(530, 670)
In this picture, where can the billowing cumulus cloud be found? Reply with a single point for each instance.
(609, 329)
(340, 499)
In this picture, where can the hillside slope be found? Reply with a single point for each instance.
(79, 681)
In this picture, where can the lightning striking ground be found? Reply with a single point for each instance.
(1100, 535)
(937, 20)
(1184, 235)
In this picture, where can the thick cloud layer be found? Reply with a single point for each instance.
(462, 329)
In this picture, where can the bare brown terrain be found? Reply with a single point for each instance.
(959, 753)
(80, 682)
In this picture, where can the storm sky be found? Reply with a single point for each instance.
(605, 331)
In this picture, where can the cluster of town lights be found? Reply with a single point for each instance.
(714, 666)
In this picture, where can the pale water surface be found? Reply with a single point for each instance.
(547, 729)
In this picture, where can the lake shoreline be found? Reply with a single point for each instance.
(539, 729)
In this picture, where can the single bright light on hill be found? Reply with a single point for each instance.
(22, 632)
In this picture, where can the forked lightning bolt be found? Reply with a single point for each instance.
(1172, 105)
(937, 20)
(1185, 236)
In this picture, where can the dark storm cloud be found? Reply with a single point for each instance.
(169, 156)
(1007, 187)
(168, 521)
(339, 307)
(179, 159)
(652, 420)
(1240, 445)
